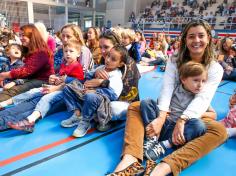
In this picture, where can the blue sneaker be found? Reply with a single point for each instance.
(156, 152)
(82, 128)
(149, 143)
(72, 121)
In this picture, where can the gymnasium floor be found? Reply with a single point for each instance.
(50, 150)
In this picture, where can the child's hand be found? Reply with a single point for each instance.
(178, 133)
(101, 74)
(52, 79)
(9, 85)
(49, 89)
(93, 83)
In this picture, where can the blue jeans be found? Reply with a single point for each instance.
(48, 101)
(231, 76)
(149, 111)
(26, 96)
(193, 128)
(17, 113)
(88, 106)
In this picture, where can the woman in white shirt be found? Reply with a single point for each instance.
(196, 46)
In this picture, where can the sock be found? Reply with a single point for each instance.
(3, 104)
(166, 144)
(34, 116)
(231, 132)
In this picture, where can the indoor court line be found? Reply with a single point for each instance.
(61, 152)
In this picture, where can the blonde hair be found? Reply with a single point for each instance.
(77, 33)
(73, 44)
(129, 33)
(42, 30)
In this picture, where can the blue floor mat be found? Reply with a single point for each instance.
(98, 153)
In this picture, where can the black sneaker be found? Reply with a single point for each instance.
(103, 128)
(155, 152)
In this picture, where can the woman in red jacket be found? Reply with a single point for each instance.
(38, 62)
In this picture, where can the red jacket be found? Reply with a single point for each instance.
(38, 65)
(74, 70)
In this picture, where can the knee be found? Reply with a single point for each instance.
(194, 128)
(218, 129)
(92, 98)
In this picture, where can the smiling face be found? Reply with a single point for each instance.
(194, 84)
(70, 54)
(24, 39)
(197, 40)
(113, 60)
(105, 45)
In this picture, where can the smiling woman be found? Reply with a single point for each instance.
(195, 46)
(38, 63)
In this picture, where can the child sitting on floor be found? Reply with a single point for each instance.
(95, 95)
(14, 54)
(192, 78)
(70, 69)
(230, 120)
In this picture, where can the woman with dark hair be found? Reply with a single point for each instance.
(38, 62)
(196, 46)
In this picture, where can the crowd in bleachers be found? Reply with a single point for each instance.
(180, 13)
(94, 74)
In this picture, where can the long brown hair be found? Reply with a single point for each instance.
(184, 55)
(36, 41)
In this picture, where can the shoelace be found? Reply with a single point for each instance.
(150, 165)
(150, 143)
(158, 149)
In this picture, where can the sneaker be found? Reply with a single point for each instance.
(103, 128)
(72, 121)
(23, 125)
(82, 128)
(150, 142)
(155, 152)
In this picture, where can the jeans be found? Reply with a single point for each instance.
(29, 95)
(193, 128)
(149, 111)
(17, 113)
(48, 101)
(88, 106)
(231, 76)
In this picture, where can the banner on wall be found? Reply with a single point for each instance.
(16, 27)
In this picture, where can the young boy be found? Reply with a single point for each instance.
(177, 128)
(14, 54)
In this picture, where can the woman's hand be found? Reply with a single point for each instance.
(178, 133)
(9, 85)
(93, 83)
(154, 128)
(101, 74)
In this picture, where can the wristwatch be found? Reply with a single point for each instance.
(184, 118)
